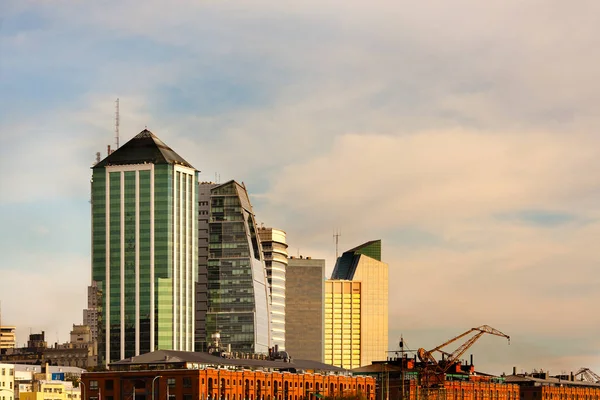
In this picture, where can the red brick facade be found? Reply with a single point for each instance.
(222, 384)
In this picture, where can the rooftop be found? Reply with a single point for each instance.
(547, 381)
(145, 147)
(345, 266)
(164, 357)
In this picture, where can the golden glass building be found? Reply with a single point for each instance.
(356, 308)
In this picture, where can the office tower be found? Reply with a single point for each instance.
(144, 252)
(274, 247)
(231, 270)
(90, 314)
(356, 308)
(8, 338)
(304, 316)
(343, 323)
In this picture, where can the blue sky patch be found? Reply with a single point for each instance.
(541, 217)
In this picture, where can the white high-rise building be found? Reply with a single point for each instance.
(274, 248)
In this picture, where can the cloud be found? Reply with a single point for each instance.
(48, 297)
(462, 134)
(435, 177)
(469, 267)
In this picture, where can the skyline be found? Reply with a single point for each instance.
(463, 135)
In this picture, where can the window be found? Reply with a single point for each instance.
(109, 384)
(93, 385)
(187, 382)
(171, 381)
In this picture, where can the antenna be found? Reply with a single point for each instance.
(117, 118)
(336, 236)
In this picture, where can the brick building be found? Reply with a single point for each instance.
(177, 375)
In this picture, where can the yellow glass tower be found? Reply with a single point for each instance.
(342, 323)
(356, 308)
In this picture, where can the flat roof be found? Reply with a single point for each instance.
(173, 356)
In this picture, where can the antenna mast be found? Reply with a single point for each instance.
(117, 122)
(336, 236)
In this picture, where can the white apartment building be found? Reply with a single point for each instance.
(7, 382)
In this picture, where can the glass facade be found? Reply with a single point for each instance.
(237, 293)
(361, 265)
(373, 275)
(144, 235)
(343, 324)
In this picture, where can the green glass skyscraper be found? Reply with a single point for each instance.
(233, 291)
(144, 249)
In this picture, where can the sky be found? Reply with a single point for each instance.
(463, 134)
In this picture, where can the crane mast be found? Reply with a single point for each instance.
(437, 369)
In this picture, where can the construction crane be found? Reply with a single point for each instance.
(450, 359)
(587, 375)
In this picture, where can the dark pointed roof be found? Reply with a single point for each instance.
(345, 266)
(145, 147)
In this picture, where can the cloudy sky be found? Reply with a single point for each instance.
(462, 133)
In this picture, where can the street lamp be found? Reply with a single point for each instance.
(155, 378)
(81, 383)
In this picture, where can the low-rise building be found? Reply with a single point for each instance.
(179, 375)
(51, 390)
(541, 386)
(7, 382)
(81, 350)
(33, 353)
(29, 379)
(8, 338)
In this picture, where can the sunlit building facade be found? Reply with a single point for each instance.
(231, 272)
(356, 308)
(144, 249)
(8, 338)
(7, 381)
(305, 294)
(274, 247)
(343, 324)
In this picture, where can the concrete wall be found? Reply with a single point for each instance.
(305, 287)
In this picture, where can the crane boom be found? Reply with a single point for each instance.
(427, 356)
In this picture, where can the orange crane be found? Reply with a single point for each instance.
(439, 369)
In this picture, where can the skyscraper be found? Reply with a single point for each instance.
(144, 248)
(274, 247)
(90, 314)
(304, 318)
(356, 308)
(231, 270)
